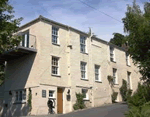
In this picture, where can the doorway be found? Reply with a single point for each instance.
(59, 100)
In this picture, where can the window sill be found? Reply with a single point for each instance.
(56, 44)
(113, 61)
(55, 75)
(19, 103)
(116, 84)
(129, 65)
(98, 81)
(52, 98)
(84, 53)
(85, 79)
(86, 99)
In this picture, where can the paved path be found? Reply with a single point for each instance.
(115, 110)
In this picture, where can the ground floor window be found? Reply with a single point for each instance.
(51, 94)
(21, 95)
(85, 93)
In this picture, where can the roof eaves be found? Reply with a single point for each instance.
(115, 46)
(29, 23)
(60, 24)
(100, 40)
(41, 18)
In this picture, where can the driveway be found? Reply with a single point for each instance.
(115, 110)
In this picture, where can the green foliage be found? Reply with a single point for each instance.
(118, 39)
(2, 73)
(139, 103)
(142, 111)
(141, 96)
(133, 112)
(30, 99)
(79, 102)
(136, 25)
(114, 96)
(8, 27)
(129, 93)
(145, 110)
(110, 79)
(124, 91)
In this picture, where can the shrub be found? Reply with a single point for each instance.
(114, 96)
(79, 102)
(145, 110)
(110, 79)
(139, 103)
(140, 97)
(124, 91)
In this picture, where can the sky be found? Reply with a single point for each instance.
(76, 14)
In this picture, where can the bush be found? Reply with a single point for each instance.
(110, 79)
(114, 96)
(124, 91)
(79, 102)
(140, 97)
(141, 111)
(139, 103)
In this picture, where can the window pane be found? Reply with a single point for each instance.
(20, 96)
(114, 80)
(83, 69)
(54, 65)
(96, 77)
(17, 96)
(54, 35)
(111, 53)
(114, 75)
(84, 92)
(24, 95)
(51, 93)
(82, 43)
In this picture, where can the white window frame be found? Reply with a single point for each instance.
(86, 94)
(55, 33)
(97, 73)
(127, 59)
(20, 95)
(112, 54)
(115, 81)
(129, 80)
(83, 44)
(25, 40)
(55, 65)
(53, 92)
(83, 70)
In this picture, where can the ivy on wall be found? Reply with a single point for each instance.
(79, 102)
(30, 99)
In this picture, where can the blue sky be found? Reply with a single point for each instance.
(76, 14)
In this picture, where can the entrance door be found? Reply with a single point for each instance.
(59, 100)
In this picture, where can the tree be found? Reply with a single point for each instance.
(137, 26)
(8, 27)
(118, 39)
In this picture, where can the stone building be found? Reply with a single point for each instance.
(57, 61)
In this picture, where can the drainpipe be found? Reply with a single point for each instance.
(91, 68)
(69, 47)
